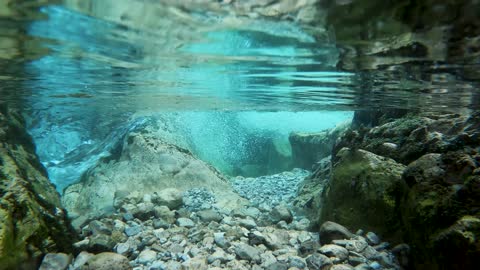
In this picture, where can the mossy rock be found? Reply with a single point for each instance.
(364, 191)
(32, 221)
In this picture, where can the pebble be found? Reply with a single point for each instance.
(372, 238)
(55, 261)
(133, 230)
(204, 237)
(185, 222)
(147, 256)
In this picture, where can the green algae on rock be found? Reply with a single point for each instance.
(32, 220)
(363, 192)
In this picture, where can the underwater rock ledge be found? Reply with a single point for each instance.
(32, 220)
(434, 198)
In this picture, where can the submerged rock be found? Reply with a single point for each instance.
(144, 161)
(363, 191)
(107, 261)
(330, 231)
(55, 261)
(32, 220)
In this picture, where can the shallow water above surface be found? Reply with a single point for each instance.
(85, 74)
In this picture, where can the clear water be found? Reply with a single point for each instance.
(84, 73)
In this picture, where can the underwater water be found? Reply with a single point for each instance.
(250, 104)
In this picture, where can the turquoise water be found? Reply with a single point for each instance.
(84, 78)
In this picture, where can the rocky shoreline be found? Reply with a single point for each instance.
(163, 231)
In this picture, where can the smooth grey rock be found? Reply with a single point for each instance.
(157, 265)
(147, 256)
(382, 246)
(81, 260)
(55, 261)
(170, 197)
(247, 252)
(318, 261)
(108, 261)
(277, 266)
(219, 254)
(123, 248)
(185, 222)
(339, 252)
(133, 230)
(372, 238)
(247, 223)
(298, 262)
(209, 215)
(330, 231)
(341, 267)
(281, 212)
(220, 240)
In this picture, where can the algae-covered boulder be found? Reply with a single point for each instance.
(363, 192)
(441, 211)
(145, 164)
(406, 139)
(32, 221)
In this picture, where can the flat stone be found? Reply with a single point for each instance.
(247, 252)
(298, 262)
(108, 261)
(330, 231)
(341, 267)
(277, 266)
(318, 261)
(147, 256)
(81, 260)
(55, 261)
(247, 223)
(209, 215)
(219, 254)
(185, 222)
(133, 230)
(330, 250)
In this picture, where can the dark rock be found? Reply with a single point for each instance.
(32, 219)
(330, 231)
(100, 243)
(98, 227)
(318, 261)
(209, 215)
(364, 191)
(372, 238)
